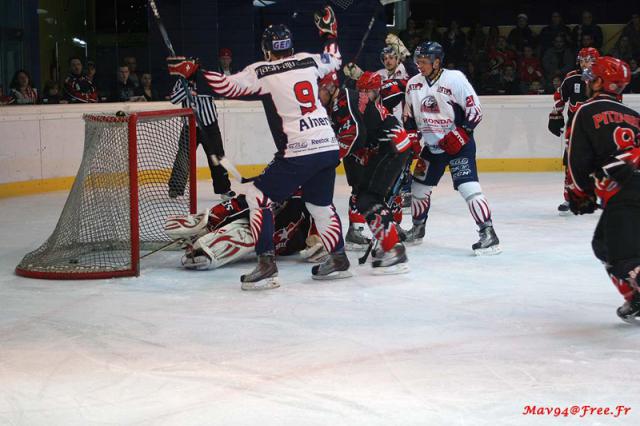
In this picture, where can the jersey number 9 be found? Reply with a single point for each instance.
(305, 96)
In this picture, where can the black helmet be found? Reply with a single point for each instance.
(277, 38)
(429, 49)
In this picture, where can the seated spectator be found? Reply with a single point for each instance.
(587, 27)
(508, 84)
(521, 35)
(225, 58)
(78, 88)
(556, 82)
(492, 37)
(22, 92)
(535, 88)
(411, 31)
(146, 90)
(623, 50)
(551, 31)
(454, 43)
(51, 94)
(558, 59)
(529, 67)
(123, 90)
(587, 41)
(477, 39)
(132, 64)
(632, 30)
(430, 31)
(634, 86)
(4, 99)
(472, 74)
(501, 55)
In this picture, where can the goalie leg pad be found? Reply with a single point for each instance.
(227, 244)
(186, 226)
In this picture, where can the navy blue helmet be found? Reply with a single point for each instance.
(388, 50)
(429, 49)
(277, 38)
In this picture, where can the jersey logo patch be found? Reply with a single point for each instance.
(430, 105)
(414, 86)
(442, 89)
(576, 88)
(470, 101)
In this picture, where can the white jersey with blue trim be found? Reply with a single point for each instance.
(288, 88)
(440, 105)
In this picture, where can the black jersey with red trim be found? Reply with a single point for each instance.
(601, 127)
(572, 91)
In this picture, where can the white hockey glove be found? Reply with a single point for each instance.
(394, 42)
(352, 71)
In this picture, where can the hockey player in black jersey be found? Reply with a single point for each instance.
(604, 153)
(572, 91)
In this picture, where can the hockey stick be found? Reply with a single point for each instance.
(164, 247)
(217, 161)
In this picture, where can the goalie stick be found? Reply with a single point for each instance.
(223, 161)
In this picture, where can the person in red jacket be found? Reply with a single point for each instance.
(78, 88)
(529, 67)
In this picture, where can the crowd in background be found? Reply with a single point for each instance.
(523, 62)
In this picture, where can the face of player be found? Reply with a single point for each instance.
(373, 94)
(586, 62)
(594, 87)
(76, 66)
(390, 62)
(426, 67)
(324, 95)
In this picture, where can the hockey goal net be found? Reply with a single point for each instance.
(136, 170)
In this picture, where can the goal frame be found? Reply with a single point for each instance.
(132, 120)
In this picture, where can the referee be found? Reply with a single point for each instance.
(208, 136)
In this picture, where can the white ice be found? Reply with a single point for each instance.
(460, 340)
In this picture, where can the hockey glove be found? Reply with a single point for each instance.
(579, 202)
(353, 71)
(396, 44)
(556, 123)
(326, 22)
(453, 141)
(182, 67)
(399, 139)
(415, 143)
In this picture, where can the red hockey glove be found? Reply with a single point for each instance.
(399, 139)
(453, 141)
(182, 67)
(326, 22)
(415, 143)
(556, 123)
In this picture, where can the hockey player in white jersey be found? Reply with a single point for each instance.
(443, 109)
(307, 156)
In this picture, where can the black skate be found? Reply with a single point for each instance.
(406, 202)
(355, 239)
(336, 267)
(391, 262)
(264, 276)
(563, 209)
(630, 311)
(488, 244)
(415, 235)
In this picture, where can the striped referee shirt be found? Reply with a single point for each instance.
(204, 107)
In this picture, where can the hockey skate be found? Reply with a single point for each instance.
(336, 267)
(415, 235)
(488, 244)
(355, 239)
(630, 311)
(227, 195)
(264, 276)
(391, 262)
(406, 202)
(563, 209)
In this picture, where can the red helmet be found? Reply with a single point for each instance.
(615, 74)
(224, 52)
(369, 81)
(329, 79)
(588, 53)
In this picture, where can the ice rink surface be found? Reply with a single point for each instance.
(459, 340)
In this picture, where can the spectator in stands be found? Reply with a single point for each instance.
(492, 37)
(551, 31)
(501, 55)
(22, 91)
(472, 75)
(508, 84)
(123, 90)
(623, 49)
(535, 88)
(132, 64)
(78, 88)
(634, 86)
(587, 27)
(4, 99)
(411, 31)
(521, 35)
(477, 42)
(51, 94)
(632, 30)
(555, 83)
(529, 67)
(558, 59)
(225, 58)
(430, 31)
(146, 89)
(587, 41)
(454, 43)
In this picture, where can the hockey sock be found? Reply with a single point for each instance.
(382, 227)
(355, 217)
(260, 220)
(329, 227)
(420, 201)
(477, 203)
